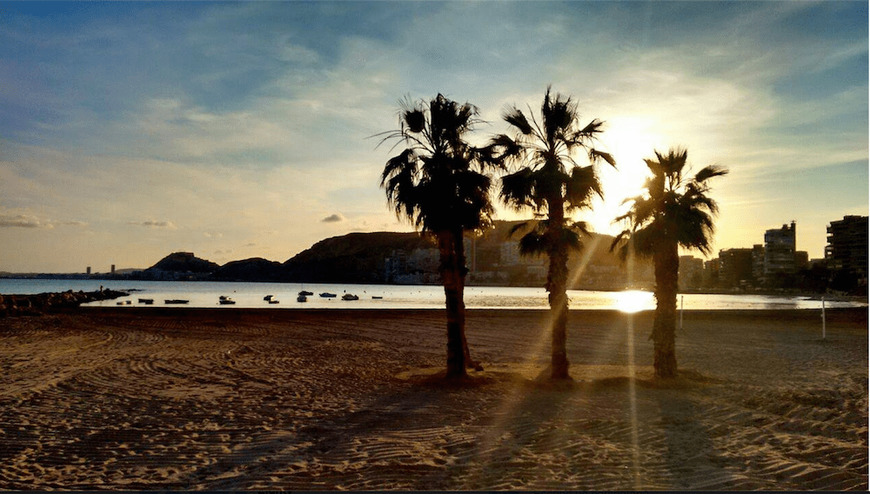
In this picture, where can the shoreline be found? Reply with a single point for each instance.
(847, 312)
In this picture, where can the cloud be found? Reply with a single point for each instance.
(74, 223)
(333, 218)
(154, 224)
(22, 221)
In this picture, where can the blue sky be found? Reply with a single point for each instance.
(235, 130)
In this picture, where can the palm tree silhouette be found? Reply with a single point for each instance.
(674, 211)
(550, 184)
(439, 182)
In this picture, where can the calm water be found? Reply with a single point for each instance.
(205, 294)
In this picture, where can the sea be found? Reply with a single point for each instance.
(254, 295)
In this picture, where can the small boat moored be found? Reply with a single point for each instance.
(146, 301)
(306, 293)
(175, 301)
(300, 298)
(349, 296)
(224, 300)
(328, 295)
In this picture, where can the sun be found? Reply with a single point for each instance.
(629, 140)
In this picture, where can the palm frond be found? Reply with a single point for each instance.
(515, 117)
(517, 189)
(581, 187)
(582, 227)
(533, 243)
(595, 155)
(591, 130)
(518, 227)
(709, 172)
(405, 159)
(506, 148)
(414, 120)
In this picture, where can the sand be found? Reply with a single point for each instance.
(293, 399)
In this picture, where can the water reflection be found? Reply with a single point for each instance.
(632, 301)
(205, 294)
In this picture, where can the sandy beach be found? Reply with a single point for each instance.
(295, 399)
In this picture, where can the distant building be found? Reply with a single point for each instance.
(801, 260)
(735, 267)
(510, 254)
(423, 260)
(779, 251)
(847, 245)
(691, 274)
(711, 272)
(758, 262)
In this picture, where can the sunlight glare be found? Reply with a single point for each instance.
(629, 140)
(632, 301)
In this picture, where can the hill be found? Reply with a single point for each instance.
(351, 258)
(179, 266)
(409, 258)
(253, 269)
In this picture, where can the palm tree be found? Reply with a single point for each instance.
(551, 184)
(674, 211)
(439, 183)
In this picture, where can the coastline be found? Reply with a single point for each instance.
(186, 398)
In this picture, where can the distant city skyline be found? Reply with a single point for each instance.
(236, 130)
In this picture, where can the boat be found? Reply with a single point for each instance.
(268, 298)
(328, 295)
(146, 301)
(175, 301)
(300, 298)
(349, 296)
(273, 301)
(375, 297)
(226, 301)
(306, 293)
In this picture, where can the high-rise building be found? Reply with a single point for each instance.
(758, 262)
(847, 245)
(711, 272)
(735, 267)
(779, 251)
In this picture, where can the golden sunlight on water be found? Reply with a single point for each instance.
(632, 301)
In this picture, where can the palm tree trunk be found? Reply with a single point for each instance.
(451, 278)
(459, 242)
(557, 283)
(667, 264)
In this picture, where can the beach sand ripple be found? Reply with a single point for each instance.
(246, 399)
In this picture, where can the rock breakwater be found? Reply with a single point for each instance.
(21, 305)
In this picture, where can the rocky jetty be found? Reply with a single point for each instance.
(21, 305)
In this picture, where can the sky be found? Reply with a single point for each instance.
(235, 130)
